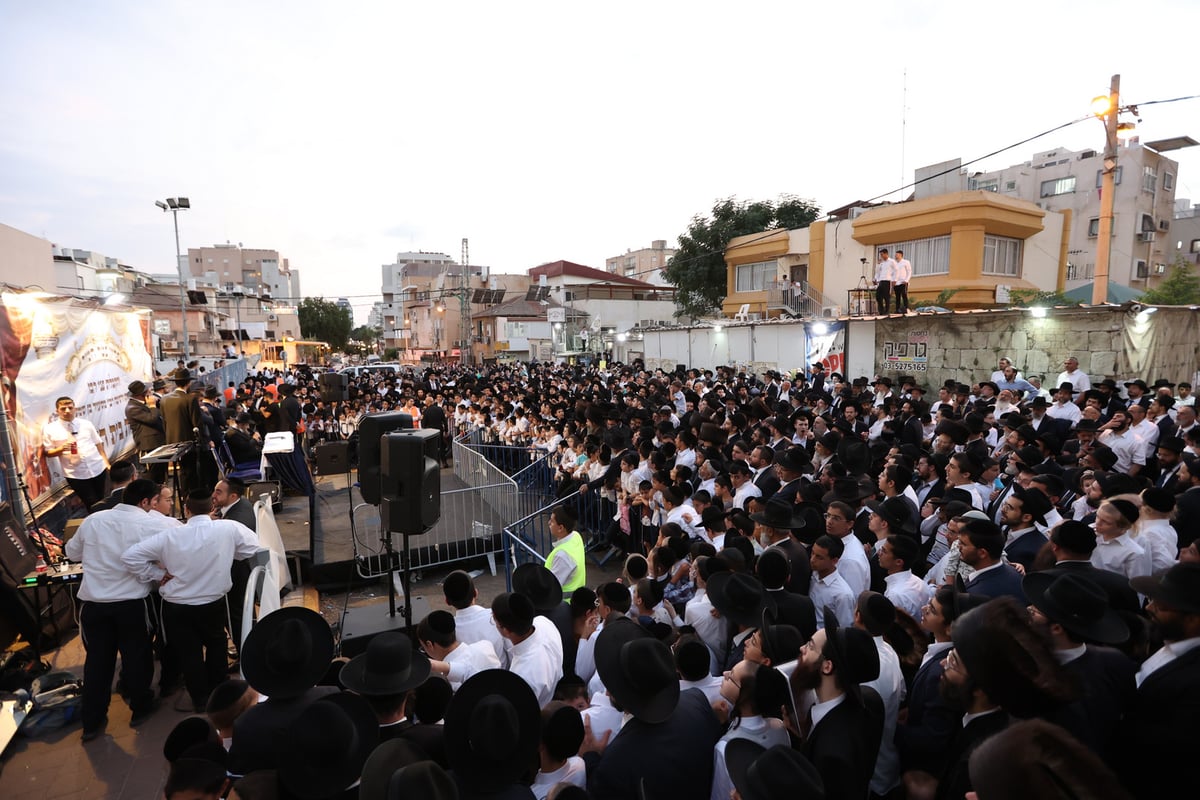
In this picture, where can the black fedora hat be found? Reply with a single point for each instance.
(780, 514)
(853, 654)
(638, 670)
(424, 779)
(854, 455)
(323, 750)
(849, 490)
(383, 762)
(287, 651)
(389, 666)
(794, 459)
(1178, 587)
(538, 584)
(739, 597)
(1076, 603)
(713, 518)
(492, 728)
(781, 773)
(1086, 425)
(896, 512)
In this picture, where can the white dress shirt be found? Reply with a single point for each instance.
(467, 659)
(1121, 555)
(711, 630)
(890, 685)
(764, 731)
(100, 542)
(1160, 539)
(539, 659)
(853, 566)
(474, 624)
(907, 593)
(197, 555)
(832, 591)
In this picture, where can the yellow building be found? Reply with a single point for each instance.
(982, 243)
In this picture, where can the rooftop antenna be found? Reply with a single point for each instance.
(903, 127)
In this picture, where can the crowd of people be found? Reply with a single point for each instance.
(831, 588)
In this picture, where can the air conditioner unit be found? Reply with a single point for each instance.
(1146, 236)
(170, 344)
(272, 318)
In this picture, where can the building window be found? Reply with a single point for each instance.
(1100, 177)
(1149, 179)
(928, 256)
(1142, 271)
(1093, 227)
(515, 330)
(755, 277)
(1010, 186)
(1001, 256)
(1195, 247)
(1168, 181)
(985, 185)
(1058, 186)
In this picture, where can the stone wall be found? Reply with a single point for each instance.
(1110, 341)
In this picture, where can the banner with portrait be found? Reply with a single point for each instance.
(53, 347)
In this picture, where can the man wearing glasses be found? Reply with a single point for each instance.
(80, 452)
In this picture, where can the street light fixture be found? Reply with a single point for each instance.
(175, 205)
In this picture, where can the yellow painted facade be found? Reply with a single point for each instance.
(966, 217)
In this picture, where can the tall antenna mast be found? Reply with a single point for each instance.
(903, 128)
(464, 272)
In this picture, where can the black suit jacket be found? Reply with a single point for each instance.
(1104, 678)
(800, 569)
(113, 499)
(796, 610)
(1000, 582)
(257, 732)
(1157, 756)
(956, 781)
(932, 722)
(180, 415)
(844, 745)
(242, 511)
(674, 757)
(242, 446)
(1187, 511)
(768, 483)
(1026, 548)
(145, 424)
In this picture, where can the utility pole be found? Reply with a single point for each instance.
(465, 303)
(1107, 189)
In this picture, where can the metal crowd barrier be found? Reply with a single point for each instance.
(471, 525)
(529, 539)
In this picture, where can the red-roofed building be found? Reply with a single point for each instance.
(613, 305)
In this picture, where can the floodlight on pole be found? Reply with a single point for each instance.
(1106, 108)
(174, 205)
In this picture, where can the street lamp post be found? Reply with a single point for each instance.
(238, 294)
(1108, 109)
(174, 204)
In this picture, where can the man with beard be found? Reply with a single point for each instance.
(1073, 613)
(999, 668)
(1156, 754)
(843, 725)
(1129, 449)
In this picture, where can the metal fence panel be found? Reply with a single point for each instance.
(471, 525)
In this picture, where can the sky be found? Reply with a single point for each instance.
(342, 133)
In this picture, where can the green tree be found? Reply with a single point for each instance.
(1025, 298)
(324, 321)
(1180, 288)
(698, 268)
(364, 339)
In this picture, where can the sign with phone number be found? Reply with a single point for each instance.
(908, 356)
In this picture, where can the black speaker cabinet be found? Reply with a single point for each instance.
(334, 387)
(333, 457)
(370, 430)
(411, 480)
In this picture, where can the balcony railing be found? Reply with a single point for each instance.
(799, 299)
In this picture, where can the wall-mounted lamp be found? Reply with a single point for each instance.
(820, 328)
(1038, 312)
